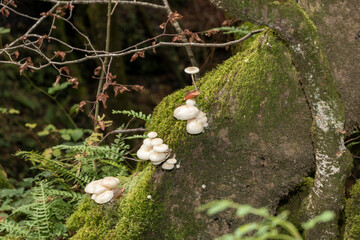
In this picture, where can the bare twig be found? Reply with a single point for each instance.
(178, 29)
(121, 2)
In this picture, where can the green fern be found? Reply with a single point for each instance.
(134, 114)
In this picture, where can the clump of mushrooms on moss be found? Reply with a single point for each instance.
(155, 150)
(196, 119)
(104, 190)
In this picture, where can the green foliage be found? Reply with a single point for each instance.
(134, 114)
(270, 227)
(37, 213)
(352, 212)
(4, 30)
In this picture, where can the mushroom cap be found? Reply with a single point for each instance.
(156, 157)
(90, 188)
(205, 124)
(156, 141)
(167, 166)
(186, 112)
(104, 197)
(204, 120)
(147, 142)
(93, 196)
(191, 102)
(152, 134)
(191, 70)
(110, 182)
(171, 161)
(146, 148)
(99, 189)
(156, 163)
(161, 148)
(143, 154)
(200, 115)
(194, 126)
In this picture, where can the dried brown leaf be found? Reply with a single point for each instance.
(120, 89)
(102, 97)
(97, 71)
(141, 54)
(57, 80)
(101, 125)
(5, 12)
(74, 82)
(137, 88)
(65, 69)
(60, 54)
(191, 94)
(17, 54)
(134, 57)
(162, 26)
(81, 105)
(177, 38)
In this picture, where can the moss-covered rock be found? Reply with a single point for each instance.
(127, 218)
(352, 212)
(256, 149)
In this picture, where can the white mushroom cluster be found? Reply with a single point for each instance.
(104, 190)
(153, 149)
(196, 119)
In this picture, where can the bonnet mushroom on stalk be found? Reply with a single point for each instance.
(192, 71)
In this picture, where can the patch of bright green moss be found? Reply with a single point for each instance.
(352, 212)
(127, 218)
(4, 182)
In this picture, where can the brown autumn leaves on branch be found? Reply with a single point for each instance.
(35, 44)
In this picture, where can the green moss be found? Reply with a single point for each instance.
(352, 212)
(128, 218)
(294, 201)
(4, 182)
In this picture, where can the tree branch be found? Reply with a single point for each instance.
(121, 2)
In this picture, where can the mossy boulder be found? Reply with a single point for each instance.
(257, 146)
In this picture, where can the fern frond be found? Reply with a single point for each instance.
(54, 166)
(132, 113)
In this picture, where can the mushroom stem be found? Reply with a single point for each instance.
(193, 80)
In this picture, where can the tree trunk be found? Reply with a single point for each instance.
(275, 114)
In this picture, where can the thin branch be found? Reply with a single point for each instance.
(178, 29)
(160, 44)
(128, 130)
(121, 2)
(19, 13)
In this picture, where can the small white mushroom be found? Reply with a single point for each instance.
(156, 141)
(143, 154)
(156, 163)
(104, 197)
(93, 196)
(192, 70)
(90, 188)
(99, 189)
(171, 161)
(167, 166)
(156, 157)
(205, 125)
(194, 126)
(186, 112)
(177, 166)
(110, 182)
(147, 142)
(148, 197)
(200, 115)
(161, 148)
(152, 134)
(191, 102)
(204, 120)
